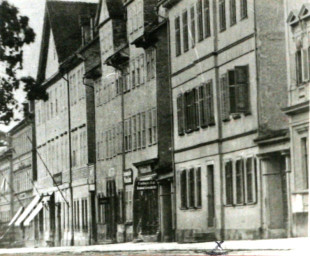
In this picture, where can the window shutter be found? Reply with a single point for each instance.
(203, 106)
(209, 102)
(224, 97)
(187, 111)
(183, 189)
(306, 63)
(242, 89)
(177, 29)
(196, 108)
(142, 69)
(207, 18)
(192, 110)
(199, 20)
(180, 109)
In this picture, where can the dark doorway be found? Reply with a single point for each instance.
(167, 234)
(146, 208)
(110, 210)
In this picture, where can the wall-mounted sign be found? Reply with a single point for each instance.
(128, 177)
(143, 169)
(111, 172)
(146, 185)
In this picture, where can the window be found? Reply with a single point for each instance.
(195, 109)
(183, 189)
(133, 75)
(235, 92)
(177, 36)
(153, 63)
(305, 64)
(193, 26)
(190, 188)
(126, 134)
(250, 177)
(304, 156)
(134, 133)
(229, 182)
(298, 67)
(84, 215)
(185, 31)
(239, 182)
(150, 130)
(210, 195)
(139, 137)
(232, 12)
(154, 124)
(138, 76)
(142, 69)
(128, 205)
(101, 211)
(244, 9)
(222, 15)
(129, 135)
(198, 188)
(180, 114)
(200, 20)
(143, 129)
(207, 18)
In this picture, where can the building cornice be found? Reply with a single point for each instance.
(297, 109)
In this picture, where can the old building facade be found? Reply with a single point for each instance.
(230, 140)
(298, 46)
(133, 124)
(64, 125)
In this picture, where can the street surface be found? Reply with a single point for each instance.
(273, 247)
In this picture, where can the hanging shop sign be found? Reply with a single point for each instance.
(128, 177)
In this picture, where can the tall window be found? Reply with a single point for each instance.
(232, 12)
(191, 188)
(207, 18)
(298, 67)
(142, 69)
(177, 36)
(84, 215)
(229, 182)
(193, 25)
(244, 9)
(198, 187)
(250, 177)
(185, 31)
(305, 64)
(222, 15)
(180, 109)
(235, 92)
(139, 137)
(183, 189)
(304, 156)
(200, 20)
(134, 133)
(239, 182)
(143, 129)
(101, 211)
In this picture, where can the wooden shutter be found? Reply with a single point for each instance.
(177, 29)
(183, 189)
(242, 89)
(207, 18)
(199, 20)
(180, 113)
(224, 97)
(203, 106)
(193, 26)
(187, 110)
(185, 31)
(210, 104)
(305, 64)
(195, 107)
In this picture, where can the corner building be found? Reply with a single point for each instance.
(64, 127)
(231, 145)
(133, 124)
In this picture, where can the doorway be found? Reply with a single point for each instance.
(166, 201)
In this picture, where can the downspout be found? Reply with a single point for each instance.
(70, 158)
(172, 131)
(258, 121)
(219, 111)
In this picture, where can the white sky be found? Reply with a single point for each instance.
(34, 9)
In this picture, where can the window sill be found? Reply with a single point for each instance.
(233, 24)
(222, 30)
(243, 18)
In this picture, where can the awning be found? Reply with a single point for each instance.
(33, 214)
(28, 209)
(17, 214)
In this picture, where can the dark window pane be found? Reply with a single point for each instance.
(191, 188)
(239, 182)
(198, 187)
(183, 189)
(229, 183)
(177, 36)
(200, 20)
(185, 31)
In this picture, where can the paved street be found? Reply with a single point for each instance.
(275, 247)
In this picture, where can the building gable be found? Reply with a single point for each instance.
(304, 11)
(52, 57)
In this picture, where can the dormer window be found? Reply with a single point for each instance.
(292, 18)
(87, 27)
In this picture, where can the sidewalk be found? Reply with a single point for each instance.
(298, 244)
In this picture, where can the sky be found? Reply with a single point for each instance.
(34, 9)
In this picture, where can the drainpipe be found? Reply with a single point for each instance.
(70, 158)
(219, 125)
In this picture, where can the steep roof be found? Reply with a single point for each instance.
(63, 18)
